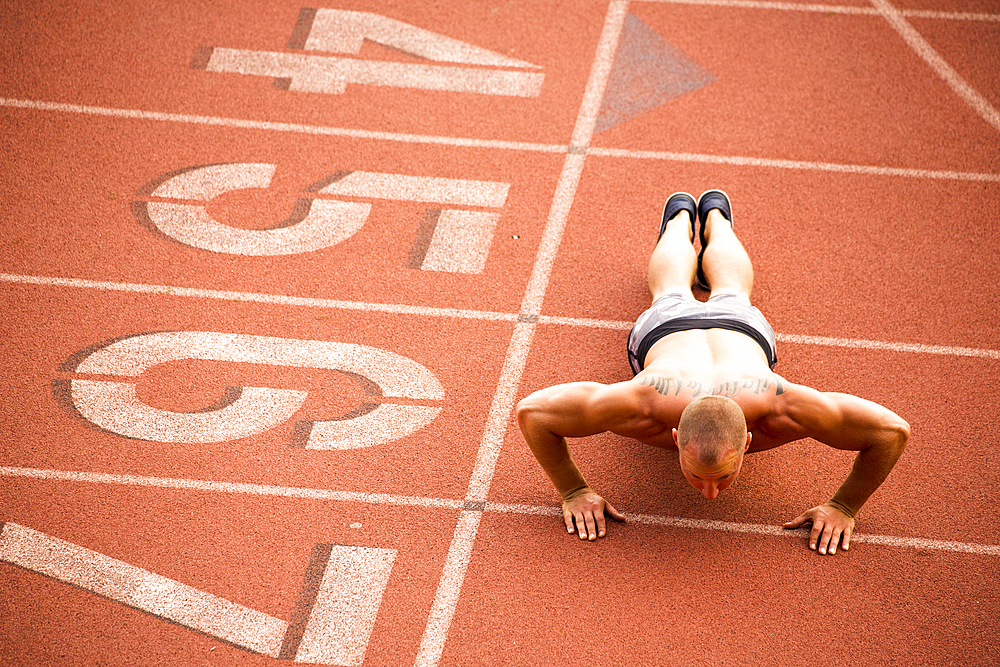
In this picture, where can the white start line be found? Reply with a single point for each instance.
(241, 488)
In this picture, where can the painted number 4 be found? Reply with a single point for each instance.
(468, 68)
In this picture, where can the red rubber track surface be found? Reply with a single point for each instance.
(864, 182)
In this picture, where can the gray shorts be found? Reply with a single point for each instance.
(672, 313)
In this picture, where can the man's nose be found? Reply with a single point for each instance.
(710, 491)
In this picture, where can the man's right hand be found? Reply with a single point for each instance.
(583, 512)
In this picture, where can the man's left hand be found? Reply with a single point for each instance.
(830, 524)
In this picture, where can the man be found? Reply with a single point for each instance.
(704, 386)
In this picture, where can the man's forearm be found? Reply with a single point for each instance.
(552, 453)
(567, 478)
(871, 467)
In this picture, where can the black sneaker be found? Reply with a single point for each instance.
(709, 200)
(677, 202)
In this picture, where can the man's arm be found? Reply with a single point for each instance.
(845, 422)
(547, 417)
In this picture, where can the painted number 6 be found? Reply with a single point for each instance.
(246, 411)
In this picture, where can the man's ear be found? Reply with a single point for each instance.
(749, 437)
(673, 434)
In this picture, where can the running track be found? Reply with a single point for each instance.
(275, 276)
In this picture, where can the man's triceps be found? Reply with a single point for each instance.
(854, 423)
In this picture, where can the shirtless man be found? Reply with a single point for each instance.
(704, 386)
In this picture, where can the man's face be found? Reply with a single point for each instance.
(709, 481)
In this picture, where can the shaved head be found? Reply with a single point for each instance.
(710, 428)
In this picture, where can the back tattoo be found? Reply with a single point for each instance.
(674, 386)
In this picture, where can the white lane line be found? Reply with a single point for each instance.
(777, 531)
(600, 72)
(230, 487)
(255, 297)
(460, 553)
(279, 127)
(451, 504)
(449, 589)
(928, 545)
(515, 508)
(552, 236)
(585, 322)
(780, 6)
(397, 309)
(506, 145)
(832, 9)
(763, 529)
(937, 63)
(569, 179)
(793, 164)
(857, 343)
(890, 347)
(948, 16)
(500, 411)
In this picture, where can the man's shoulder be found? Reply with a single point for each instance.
(791, 396)
(645, 393)
(782, 398)
(792, 412)
(642, 410)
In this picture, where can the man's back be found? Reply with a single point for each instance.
(686, 365)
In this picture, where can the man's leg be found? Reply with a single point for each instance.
(725, 263)
(673, 262)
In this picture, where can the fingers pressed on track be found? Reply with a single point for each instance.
(824, 541)
(834, 541)
(568, 520)
(814, 535)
